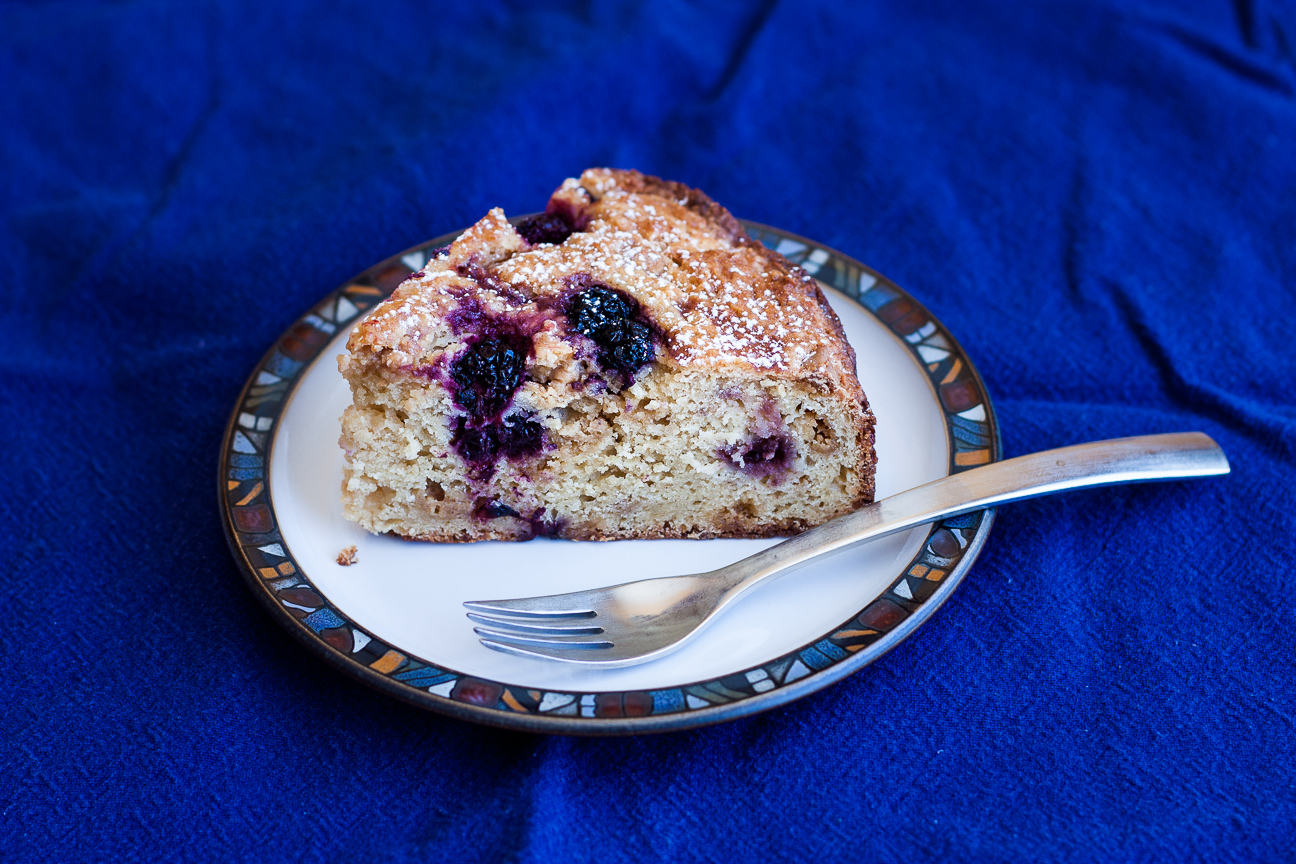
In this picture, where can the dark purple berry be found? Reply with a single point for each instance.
(607, 316)
(476, 446)
(624, 345)
(542, 527)
(520, 435)
(767, 456)
(494, 510)
(515, 436)
(596, 307)
(545, 228)
(487, 374)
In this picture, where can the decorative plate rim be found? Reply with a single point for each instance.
(922, 586)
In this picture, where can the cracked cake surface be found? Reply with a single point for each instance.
(628, 364)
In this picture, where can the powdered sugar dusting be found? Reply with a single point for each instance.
(715, 299)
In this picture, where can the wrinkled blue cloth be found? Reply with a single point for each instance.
(1097, 198)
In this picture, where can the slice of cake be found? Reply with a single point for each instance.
(630, 364)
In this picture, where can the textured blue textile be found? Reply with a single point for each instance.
(1097, 197)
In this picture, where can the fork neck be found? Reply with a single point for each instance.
(1102, 463)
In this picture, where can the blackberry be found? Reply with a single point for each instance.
(515, 436)
(476, 446)
(596, 307)
(494, 510)
(520, 435)
(766, 456)
(624, 345)
(487, 374)
(606, 316)
(545, 228)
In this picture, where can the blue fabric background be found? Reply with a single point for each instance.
(1097, 197)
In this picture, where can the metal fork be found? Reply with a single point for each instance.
(640, 621)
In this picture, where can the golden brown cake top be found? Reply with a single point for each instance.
(717, 299)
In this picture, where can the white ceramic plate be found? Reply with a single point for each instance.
(395, 618)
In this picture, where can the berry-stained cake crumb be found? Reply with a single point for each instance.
(626, 364)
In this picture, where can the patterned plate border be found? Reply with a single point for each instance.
(272, 573)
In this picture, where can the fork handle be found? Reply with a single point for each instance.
(1102, 463)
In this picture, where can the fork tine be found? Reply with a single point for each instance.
(527, 607)
(516, 626)
(534, 653)
(537, 642)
